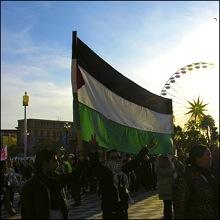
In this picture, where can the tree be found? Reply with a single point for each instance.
(197, 109)
(193, 133)
(192, 125)
(178, 141)
(190, 136)
(207, 123)
(214, 135)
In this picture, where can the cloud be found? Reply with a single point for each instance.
(44, 72)
(47, 100)
(148, 48)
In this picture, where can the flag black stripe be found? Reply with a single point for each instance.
(118, 83)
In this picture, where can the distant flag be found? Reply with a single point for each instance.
(4, 153)
(119, 113)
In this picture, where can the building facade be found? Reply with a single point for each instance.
(8, 137)
(41, 129)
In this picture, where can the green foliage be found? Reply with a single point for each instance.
(207, 124)
(193, 133)
(199, 129)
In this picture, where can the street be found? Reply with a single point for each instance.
(146, 206)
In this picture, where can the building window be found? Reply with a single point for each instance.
(48, 133)
(34, 132)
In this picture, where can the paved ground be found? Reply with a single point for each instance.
(146, 206)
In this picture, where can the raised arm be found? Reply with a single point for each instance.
(131, 165)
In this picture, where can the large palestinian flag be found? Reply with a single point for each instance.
(122, 115)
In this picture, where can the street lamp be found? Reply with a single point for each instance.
(25, 103)
(67, 126)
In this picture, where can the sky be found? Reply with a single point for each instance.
(146, 41)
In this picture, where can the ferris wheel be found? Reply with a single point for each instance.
(187, 84)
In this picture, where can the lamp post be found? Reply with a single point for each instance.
(67, 126)
(25, 104)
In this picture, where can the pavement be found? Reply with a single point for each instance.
(146, 206)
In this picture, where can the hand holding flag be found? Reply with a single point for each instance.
(152, 143)
(93, 144)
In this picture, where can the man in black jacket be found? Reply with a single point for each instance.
(43, 196)
(113, 181)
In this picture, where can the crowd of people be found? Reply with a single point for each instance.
(14, 173)
(189, 188)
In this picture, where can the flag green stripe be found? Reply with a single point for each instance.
(99, 98)
(111, 135)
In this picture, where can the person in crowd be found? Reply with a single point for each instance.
(12, 179)
(92, 179)
(138, 173)
(165, 177)
(6, 189)
(42, 196)
(153, 172)
(84, 180)
(114, 182)
(68, 164)
(215, 168)
(147, 174)
(179, 167)
(75, 185)
(132, 179)
(131, 175)
(196, 190)
(215, 161)
(27, 170)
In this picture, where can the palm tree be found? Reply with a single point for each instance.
(178, 142)
(197, 109)
(206, 124)
(214, 135)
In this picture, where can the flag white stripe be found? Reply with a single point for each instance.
(96, 96)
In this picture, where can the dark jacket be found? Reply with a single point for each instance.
(41, 194)
(195, 195)
(109, 196)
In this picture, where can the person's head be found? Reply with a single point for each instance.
(113, 155)
(200, 155)
(46, 161)
(114, 161)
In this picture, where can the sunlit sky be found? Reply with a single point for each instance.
(145, 41)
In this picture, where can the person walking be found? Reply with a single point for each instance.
(75, 185)
(42, 196)
(153, 172)
(114, 182)
(195, 195)
(165, 177)
(6, 189)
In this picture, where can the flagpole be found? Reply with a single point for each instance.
(76, 121)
